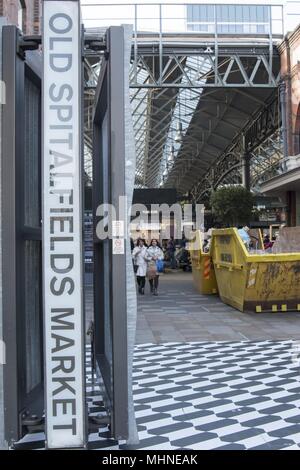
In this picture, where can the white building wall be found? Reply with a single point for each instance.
(292, 15)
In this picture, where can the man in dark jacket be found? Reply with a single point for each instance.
(171, 252)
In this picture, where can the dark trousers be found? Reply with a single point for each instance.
(154, 282)
(141, 281)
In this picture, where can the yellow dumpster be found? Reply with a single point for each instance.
(256, 282)
(202, 267)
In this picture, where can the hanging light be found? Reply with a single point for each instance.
(178, 135)
(171, 157)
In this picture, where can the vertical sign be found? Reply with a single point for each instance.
(62, 241)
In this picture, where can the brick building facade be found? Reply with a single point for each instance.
(287, 185)
(24, 13)
(290, 71)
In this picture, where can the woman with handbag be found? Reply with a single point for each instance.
(155, 255)
(140, 257)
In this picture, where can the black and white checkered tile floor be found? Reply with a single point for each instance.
(212, 395)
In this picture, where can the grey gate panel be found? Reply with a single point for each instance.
(21, 232)
(110, 294)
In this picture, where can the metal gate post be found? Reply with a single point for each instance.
(13, 70)
(3, 442)
(21, 237)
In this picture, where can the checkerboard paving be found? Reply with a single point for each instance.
(210, 395)
(215, 395)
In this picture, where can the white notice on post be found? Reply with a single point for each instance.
(118, 246)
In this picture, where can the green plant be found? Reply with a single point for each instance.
(232, 205)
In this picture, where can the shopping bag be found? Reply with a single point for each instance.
(160, 265)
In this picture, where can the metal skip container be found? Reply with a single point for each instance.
(255, 282)
(202, 267)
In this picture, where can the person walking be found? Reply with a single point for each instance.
(171, 252)
(140, 258)
(154, 253)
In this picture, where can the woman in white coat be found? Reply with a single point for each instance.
(140, 258)
(154, 253)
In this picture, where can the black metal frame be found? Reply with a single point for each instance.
(110, 269)
(19, 402)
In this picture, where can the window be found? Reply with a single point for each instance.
(21, 15)
(231, 19)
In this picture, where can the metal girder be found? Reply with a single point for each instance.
(236, 68)
(264, 125)
(267, 160)
(264, 142)
(206, 143)
(162, 63)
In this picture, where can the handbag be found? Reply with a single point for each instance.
(135, 266)
(151, 270)
(160, 265)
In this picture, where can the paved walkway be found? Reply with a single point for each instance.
(180, 313)
(206, 376)
(207, 395)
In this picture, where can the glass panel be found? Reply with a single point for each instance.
(266, 13)
(32, 313)
(203, 12)
(260, 13)
(210, 13)
(252, 9)
(20, 15)
(246, 13)
(32, 213)
(219, 13)
(231, 13)
(261, 29)
(190, 12)
(239, 13)
(224, 13)
(203, 28)
(246, 28)
(223, 28)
